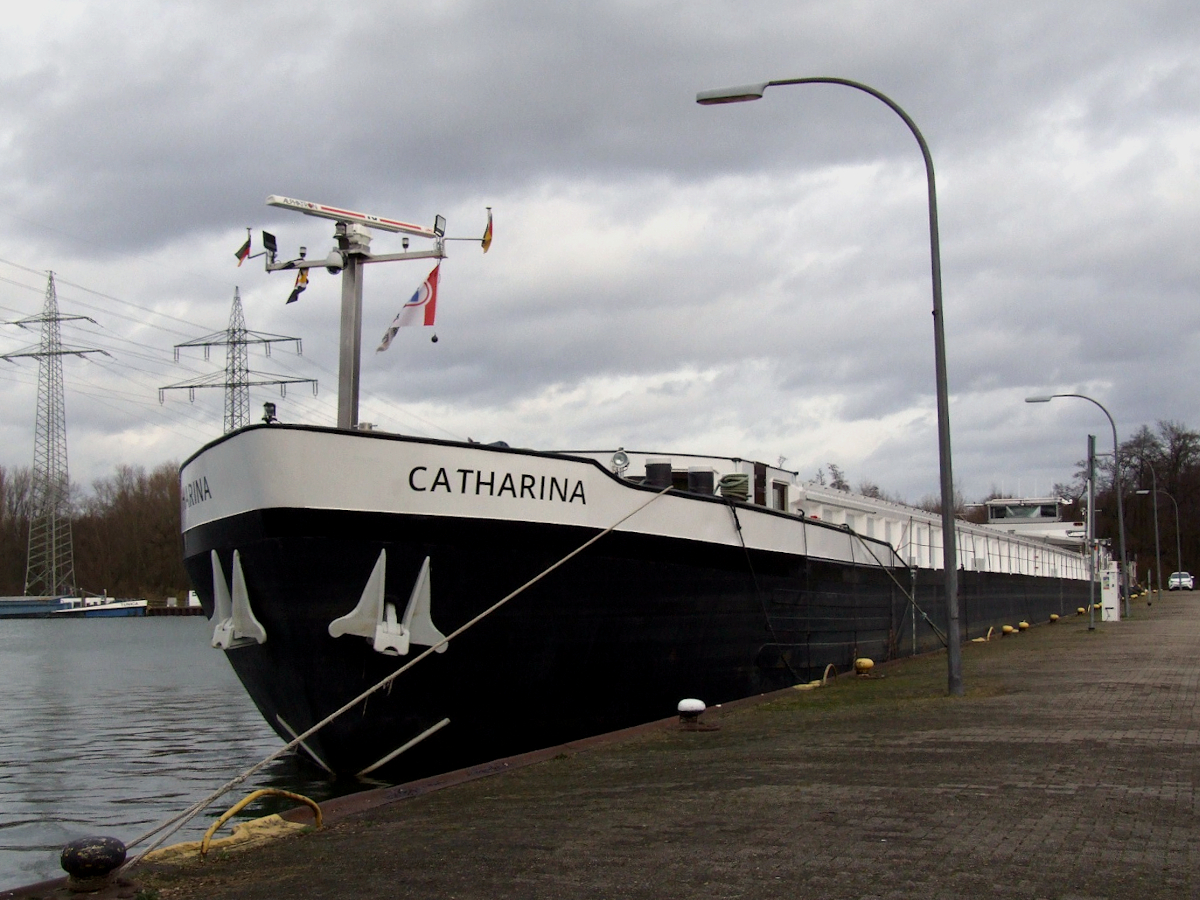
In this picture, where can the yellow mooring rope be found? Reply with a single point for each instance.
(248, 799)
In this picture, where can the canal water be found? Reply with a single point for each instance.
(111, 726)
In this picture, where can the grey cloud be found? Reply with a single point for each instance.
(137, 143)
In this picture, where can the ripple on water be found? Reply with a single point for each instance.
(114, 725)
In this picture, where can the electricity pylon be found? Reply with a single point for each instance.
(238, 378)
(50, 566)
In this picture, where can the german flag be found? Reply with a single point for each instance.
(301, 284)
(487, 232)
(243, 251)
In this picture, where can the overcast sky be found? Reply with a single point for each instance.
(748, 280)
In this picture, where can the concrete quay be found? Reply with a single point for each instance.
(1069, 770)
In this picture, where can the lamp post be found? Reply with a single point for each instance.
(1157, 545)
(1116, 484)
(1178, 553)
(949, 549)
(1091, 530)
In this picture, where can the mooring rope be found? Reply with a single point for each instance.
(195, 809)
(758, 592)
(941, 635)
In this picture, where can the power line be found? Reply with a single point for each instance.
(320, 407)
(238, 376)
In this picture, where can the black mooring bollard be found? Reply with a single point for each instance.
(90, 862)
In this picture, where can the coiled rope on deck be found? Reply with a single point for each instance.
(178, 821)
(206, 843)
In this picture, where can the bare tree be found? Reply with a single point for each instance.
(127, 536)
(1180, 454)
(15, 499)
(869, 488)
(837, 478)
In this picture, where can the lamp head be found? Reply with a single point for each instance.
(1045, 399)
(1146, 491)
(738, 94)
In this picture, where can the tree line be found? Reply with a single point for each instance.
(126, 533)
(1166, 457)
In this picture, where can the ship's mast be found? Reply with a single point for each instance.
(352, 251)
(354, 244)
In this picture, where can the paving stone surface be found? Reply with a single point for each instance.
(1069, 770)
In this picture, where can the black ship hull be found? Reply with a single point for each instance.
(703, 600)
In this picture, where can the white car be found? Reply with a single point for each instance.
(1180, 581)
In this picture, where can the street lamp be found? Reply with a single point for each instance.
(1116, 484)
(949, 550)
(1178, 553)
(1157, 546)
(1091, 530)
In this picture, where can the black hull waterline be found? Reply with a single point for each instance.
(617, 636)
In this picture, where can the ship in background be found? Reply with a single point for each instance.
(329, 557)
(71, 607)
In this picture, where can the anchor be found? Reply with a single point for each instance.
(236, 623)
(375, 619)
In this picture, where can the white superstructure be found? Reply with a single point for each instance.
(915, 534)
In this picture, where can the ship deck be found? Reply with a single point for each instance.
(1068, 769)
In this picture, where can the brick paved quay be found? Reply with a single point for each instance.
(1069, 770)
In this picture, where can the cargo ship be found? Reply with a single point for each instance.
(327, 558)
(82, 607)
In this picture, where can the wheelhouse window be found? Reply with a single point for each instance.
(998, 510)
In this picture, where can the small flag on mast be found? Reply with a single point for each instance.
(487, 232)
(419, 310)
(301, 284)
(244, 250)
